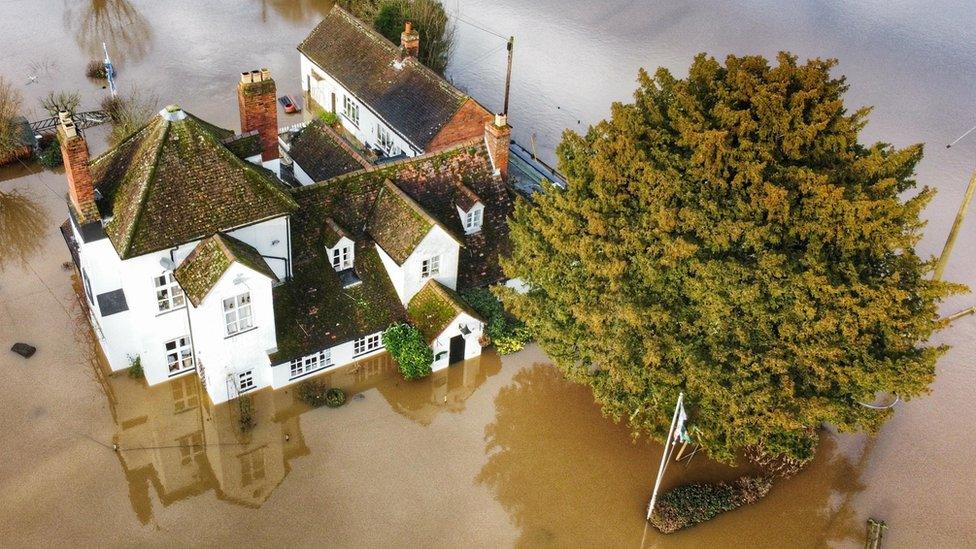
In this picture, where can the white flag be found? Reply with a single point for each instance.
(680, 433)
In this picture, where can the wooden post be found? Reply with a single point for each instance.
(956, 316)
(876, 530)
(508, 76)
(954, 232)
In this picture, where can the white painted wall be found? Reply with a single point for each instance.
(142, 330)
(221, 356)
(342, 355)
(437, 242)
(321, 92)
(442, 345)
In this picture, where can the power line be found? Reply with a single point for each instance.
(458, 17)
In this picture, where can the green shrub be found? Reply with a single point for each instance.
(407, 346)
(507, 333)
(135, 368)
(247, 412)
(96, 69)
(312, 393)
(330, 118)
(335, 397)
(50, 155)
(693, 504)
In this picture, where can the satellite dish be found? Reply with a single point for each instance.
(167, 263)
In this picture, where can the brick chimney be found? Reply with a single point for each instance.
(498, 134)
(410, 40)
(81, 186)
(256, 98)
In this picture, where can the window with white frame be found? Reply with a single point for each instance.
(384, 140)
(179, 355)
(430, 267)
(169, 295)
(237, 314)
(367, 344)
(245, 381)
(350, 109)
(473, 220)
(307, 364)
(342, 257)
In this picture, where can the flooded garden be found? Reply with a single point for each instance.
(494, 451)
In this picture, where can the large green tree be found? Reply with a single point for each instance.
(726, 235)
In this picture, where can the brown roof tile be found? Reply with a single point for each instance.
(202, 269)
(319, 155)
(409, 96)
(173, 182)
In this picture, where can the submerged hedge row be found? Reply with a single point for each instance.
(693, 504)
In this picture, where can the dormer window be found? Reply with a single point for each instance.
(473, 219)
(342, 256)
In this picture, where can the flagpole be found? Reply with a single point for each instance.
(664, 456)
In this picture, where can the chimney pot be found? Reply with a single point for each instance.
(265, 74)
(407, 27)
(410, 40)
(245, 77)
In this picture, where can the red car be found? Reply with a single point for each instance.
(289, 105)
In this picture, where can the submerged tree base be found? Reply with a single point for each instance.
(693, 504)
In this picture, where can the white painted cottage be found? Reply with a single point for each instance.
(196, 259)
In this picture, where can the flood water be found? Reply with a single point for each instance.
(494, 452)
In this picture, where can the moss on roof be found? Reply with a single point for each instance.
(409, 96)
(398, 224)
(244, 145)
(173, 182)
(202, 269)
(318, 153)
(333, 233)
(434, 307)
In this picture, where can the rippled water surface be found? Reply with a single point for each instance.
(493, 452)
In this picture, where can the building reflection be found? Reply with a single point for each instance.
(172, 442)
(118, 23)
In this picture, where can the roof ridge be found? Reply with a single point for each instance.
(150, 176)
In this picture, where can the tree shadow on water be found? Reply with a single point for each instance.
(115, 22)
(23, 223)
(570, 477)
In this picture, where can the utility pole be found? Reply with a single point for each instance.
(508, 76)
(960, 216)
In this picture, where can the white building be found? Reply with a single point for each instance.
(382, 95)
(197, 259)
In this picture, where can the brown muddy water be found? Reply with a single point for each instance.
(494, 452)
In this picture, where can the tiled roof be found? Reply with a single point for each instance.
(244, 145)
(173, 182)
(319, 155)
(333, 233)
(313, 311)
(465, 198)
(406, 94)
(202, 269)
(434, 307)
(398, 224)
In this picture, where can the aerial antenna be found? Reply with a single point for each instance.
(508, 76)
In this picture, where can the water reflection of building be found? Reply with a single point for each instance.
(173, 441)
(172, 438)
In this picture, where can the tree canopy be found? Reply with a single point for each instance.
(428, 18)
(726, 235)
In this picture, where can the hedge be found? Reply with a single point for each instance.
(407, 346)
(693, 504)
(508, 334)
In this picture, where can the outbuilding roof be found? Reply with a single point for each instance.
(173, 182)
(202, 269)
(406, 94)
(434, 307)
(319, 153)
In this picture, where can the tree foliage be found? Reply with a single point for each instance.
(407, 346)
(10, 104)
(429, 20)
(726, 235)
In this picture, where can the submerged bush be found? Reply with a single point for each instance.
(335, 397)
(96, 69)
(693, 504)
(407, 346)
(135, 368)
(50, 154)
(507, 333)
(330, 118)
(774, 455)
(247, 412)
